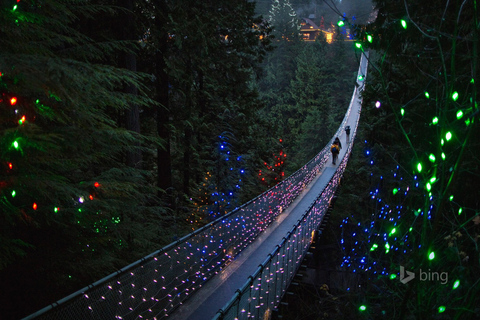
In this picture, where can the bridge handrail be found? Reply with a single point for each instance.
(159, 282)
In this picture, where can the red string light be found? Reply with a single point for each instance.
(34, 206)
(13, 101)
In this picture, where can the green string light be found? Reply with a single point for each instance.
(451, 198)
(427, 95)
(431, 157)
(410, 229)
(456, 284)
(459, 114)
(431, 256)
(15, 144)
(14, 193)
(403, 23)
(402, 111)
(441, 309)
(393, 276)
(443, 155)
(455, 96)
(419, 167)
(392, 232)
(358, 45)
(369, 38)
(435, 120)
(387, 248)
(460, 211)
(428, 186)
(448, 136)
(394, 191)
(375, 246)
(362, 308)
(341, 23)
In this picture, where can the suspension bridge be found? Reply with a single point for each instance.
(236, 267)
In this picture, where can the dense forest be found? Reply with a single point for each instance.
(406, 224)
(127, 124)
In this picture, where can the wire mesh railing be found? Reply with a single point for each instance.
(263, 291)
(154, 286)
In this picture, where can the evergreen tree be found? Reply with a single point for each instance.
(69, 205)
(420, 215)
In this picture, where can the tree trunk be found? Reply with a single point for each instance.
(164, 162)
(132, 116)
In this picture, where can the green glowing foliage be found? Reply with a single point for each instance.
(435, 120)
(362, 308)
(441, 309)
(431, 256)
(341, 23)
(459, 114)
(427, 95)
(455, 96)
(403, 23)
(369, 38)
(448, 136)
(456, 284)
(431, 157)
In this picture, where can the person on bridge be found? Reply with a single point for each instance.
(347, 130)
(337, 141)
(335, 150)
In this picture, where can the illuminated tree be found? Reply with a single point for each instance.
(421, 129)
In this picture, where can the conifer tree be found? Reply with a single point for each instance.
(69, 205)
(421, 127)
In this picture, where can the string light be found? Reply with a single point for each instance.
(455, 96)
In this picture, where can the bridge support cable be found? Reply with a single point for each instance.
(156, 285)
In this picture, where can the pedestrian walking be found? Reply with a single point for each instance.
(347, 130)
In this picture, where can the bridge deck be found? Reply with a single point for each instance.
(220, 289)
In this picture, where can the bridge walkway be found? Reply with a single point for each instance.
(221, 288)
